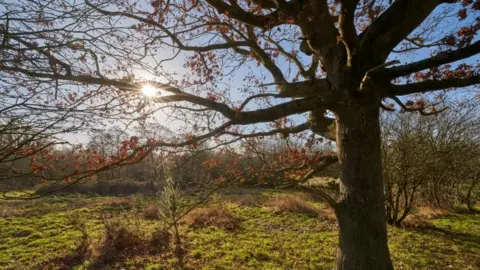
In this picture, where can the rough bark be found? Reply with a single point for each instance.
(361, 211)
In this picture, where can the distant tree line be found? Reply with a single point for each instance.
(432, 161)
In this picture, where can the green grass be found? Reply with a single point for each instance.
(38, 233)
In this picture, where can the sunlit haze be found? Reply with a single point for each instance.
(149, 91)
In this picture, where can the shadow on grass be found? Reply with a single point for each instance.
(466, 241)
(465, 211)
(84, 256)
(436, 231)
(67, 262)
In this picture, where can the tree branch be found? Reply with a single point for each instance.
(264, 58)
(322, 125)
(395, 24)
(311, 88)
(171, 35)
(309, 74)
(346, 23)
(432, 85)
(51, 58)
(284, 131)
(84, 79)
(323, 40)
(237, 13)
(238, 118)
(296, 106)
(266, 3)
(421, 110)
(315, 190)
(437, 60)
(318, 192)
(246, 101)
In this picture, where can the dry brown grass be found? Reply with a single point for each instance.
(429, 212)
(122, 202)
(421, 216)
(292, 204)
(150, 211)
(218, 216)
(247, 200)
(415, 222)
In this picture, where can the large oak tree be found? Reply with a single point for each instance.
(348, 64)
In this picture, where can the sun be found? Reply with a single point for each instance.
(149, 90)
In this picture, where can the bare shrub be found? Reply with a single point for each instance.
(160, 239)
(121, 237)
(292, 204)
(150, 211)
(219, 217)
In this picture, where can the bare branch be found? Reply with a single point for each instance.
(432, 85)
(367, 79)
(173, 36)
(284, 131)
(323, 40)
(309, 74)
(346, 23)
(239, 118)
(267, 3)
(246, 101)
(264, 58)
(421, 110)
(434, 61)
(395, 24)
(320, 193)
(318, 87)
(235, 12)
(278, 111)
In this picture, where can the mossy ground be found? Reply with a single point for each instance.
(39, 235)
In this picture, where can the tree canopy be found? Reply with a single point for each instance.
(225, 68)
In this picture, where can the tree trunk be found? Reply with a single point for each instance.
(361, 212)
(436, 186)
(475, 181)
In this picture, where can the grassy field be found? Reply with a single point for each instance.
(267, 230)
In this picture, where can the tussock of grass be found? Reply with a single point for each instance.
(122, 236)
(150, 211)
(218, 216)
(292, 204)
(421, 216)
